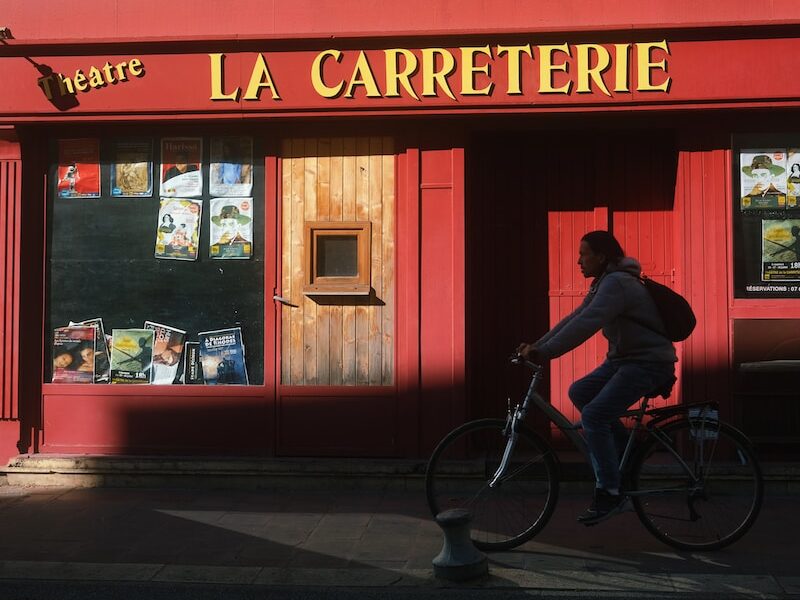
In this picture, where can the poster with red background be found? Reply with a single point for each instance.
(79, 168)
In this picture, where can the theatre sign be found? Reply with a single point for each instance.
(251, 77)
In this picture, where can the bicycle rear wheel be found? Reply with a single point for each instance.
(509, 514)
(711, 511)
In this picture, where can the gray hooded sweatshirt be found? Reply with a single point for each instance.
(619, 304)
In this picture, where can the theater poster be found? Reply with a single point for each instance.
(763, 178)
(78, 174)
(780, 255)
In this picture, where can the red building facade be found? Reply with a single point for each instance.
(418, 181)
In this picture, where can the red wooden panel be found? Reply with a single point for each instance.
(10, 190)
(702, 195)
(317, 424)
(552, 189)
(155, 422)
(407, 301)
(442, 313)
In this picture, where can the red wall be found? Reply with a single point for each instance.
(88, 20)
(674, 216)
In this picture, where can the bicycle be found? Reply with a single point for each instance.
(694, 481)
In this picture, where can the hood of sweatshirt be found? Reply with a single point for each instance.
(626, 265)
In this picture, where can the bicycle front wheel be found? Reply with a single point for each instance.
(513, 511)
(700, 488)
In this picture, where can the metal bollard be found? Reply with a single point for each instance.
(459, 559)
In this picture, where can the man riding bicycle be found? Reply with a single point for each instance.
(640, 359)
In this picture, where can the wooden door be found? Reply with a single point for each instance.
(336, 353)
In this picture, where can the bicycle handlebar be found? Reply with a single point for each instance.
(518, 359)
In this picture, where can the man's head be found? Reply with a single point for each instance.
(597, 250)
(761, 169)
(181, 161)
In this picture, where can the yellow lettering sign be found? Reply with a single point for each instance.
(260, 78)
(547, 66)
(469, 69)
(395, 75)
(644, 82)
(433, 78)
(218, 79)
(514, 71)
(362, 75)
(316, 74)
(98, 77)
(621, 78)
(587, 73)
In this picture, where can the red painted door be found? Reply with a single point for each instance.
(531, 198)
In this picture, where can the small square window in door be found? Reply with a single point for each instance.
(337, 258)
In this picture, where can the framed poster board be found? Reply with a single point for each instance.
(103, 259)
(766, 216)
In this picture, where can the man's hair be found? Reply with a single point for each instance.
(602, 242)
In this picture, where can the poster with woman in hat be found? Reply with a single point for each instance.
(763, 179)
(231, 228)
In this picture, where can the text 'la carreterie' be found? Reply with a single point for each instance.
(465, 71)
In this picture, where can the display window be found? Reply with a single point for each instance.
(766, 220)
(155, 260)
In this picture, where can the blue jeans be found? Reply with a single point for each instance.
(602, 396)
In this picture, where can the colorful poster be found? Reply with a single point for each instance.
(792, 177)
(131, 355)
(231, 166)
(763, 178)
(167, 350)
(73, 354)
(132, 168)
(178, 228)
(231, 228)
(101, 365)
(181, 167)
(222, 357)
(780, 254)
(78, 168)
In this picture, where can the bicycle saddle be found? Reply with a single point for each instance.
(665, 391)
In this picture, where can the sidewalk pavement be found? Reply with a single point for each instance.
(361, 539)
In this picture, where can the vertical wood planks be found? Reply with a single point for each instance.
(338, 340)
(349, 311)
(388, 262)
(10, 189)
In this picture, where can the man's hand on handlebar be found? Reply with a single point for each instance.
(529, 352)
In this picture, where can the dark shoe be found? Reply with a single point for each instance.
(603, 506)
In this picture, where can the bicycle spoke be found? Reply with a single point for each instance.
(516, 508)
(722, 499)
(521, 468)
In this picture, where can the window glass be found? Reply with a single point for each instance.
(337, 256)
(138, 242)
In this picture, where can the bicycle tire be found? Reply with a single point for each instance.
(510, 514)
(706, 517)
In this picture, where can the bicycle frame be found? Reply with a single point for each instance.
(572, 430)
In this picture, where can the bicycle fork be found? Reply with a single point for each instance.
(511, 431)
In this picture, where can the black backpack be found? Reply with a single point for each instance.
(676, 313)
